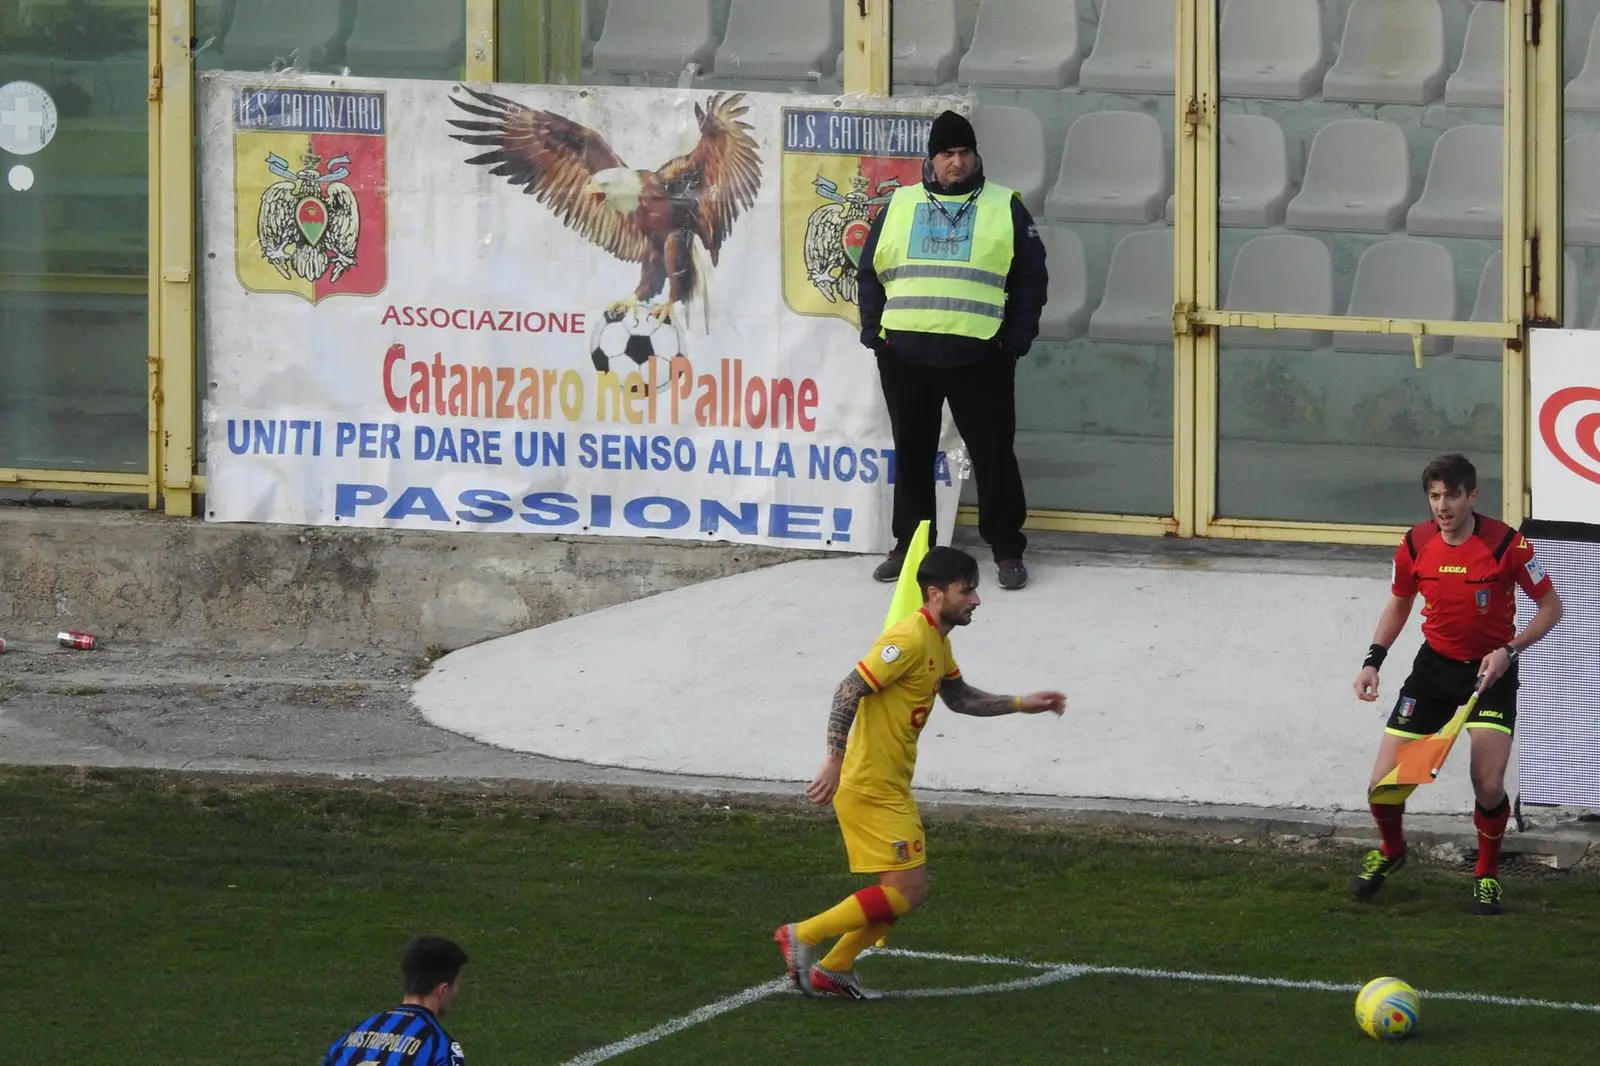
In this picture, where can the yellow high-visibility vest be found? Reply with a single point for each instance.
(943, 262)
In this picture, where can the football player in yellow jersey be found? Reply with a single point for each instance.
(867, 772)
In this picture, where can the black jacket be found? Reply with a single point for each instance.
(1026, 285)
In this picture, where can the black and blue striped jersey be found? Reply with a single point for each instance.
(407, 1035)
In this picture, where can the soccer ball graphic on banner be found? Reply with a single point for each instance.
(626, 340)
(1387, 1008)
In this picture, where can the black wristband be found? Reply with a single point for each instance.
(1375, 656)
(1511, 653)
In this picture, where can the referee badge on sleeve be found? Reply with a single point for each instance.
(1535, 570)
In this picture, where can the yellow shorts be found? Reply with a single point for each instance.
(880, 834)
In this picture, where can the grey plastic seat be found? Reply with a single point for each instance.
(281, 33)
(1133, 48)
(1024, 43)
(1401, 278)
(1113, 169)
(1137, 306)
(927, 44)
(1283, 272)
(1583, 92)
(407, 38)
(1582, 207)
(655, 36)
(1254, 183)
(1392, 52)
(1479, 79)
(1358, 178)
(1271, 49)
(1462, 195)
(1066, 310)
(1011, 142)
(786, 39)
(1486, 308)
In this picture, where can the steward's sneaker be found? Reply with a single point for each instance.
(889, 569)
(1374, 869)
(844, 985)
(1486, 894)
(798, 957)
(1013, 573)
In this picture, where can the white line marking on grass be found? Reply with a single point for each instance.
(1045, 973)
(1045, 977)
(1485, 998)
(638, 1040)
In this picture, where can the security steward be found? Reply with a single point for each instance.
(952, 284)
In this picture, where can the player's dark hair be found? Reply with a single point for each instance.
(943, 567)
(1454, 470)
(428, 962)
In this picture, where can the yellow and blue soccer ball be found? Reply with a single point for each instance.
(1387, 1008)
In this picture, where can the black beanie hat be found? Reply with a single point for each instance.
(950, 130)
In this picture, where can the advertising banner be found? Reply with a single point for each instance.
(579, 310)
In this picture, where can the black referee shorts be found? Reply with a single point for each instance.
(1437, 687)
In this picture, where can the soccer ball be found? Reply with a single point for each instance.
(1387, 1008)
(626, 340)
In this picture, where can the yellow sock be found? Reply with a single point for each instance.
(879, 903)
(843, 917)
(847, 947)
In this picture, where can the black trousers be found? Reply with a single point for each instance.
(983, 403)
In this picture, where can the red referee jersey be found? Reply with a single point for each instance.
(1468, 590)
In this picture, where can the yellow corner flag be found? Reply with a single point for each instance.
(907, 596)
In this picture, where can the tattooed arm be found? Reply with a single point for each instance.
(846, 698)
(964, 699)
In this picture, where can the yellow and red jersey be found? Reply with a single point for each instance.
(1469, 605)
(905, 669)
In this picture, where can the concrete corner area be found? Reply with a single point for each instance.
(1190, 679)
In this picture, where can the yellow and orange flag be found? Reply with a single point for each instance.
(907, 595)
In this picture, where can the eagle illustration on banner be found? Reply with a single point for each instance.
(668, 220)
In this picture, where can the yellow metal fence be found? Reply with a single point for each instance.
(549, 50)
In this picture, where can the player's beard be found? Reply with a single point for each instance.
(956, 618)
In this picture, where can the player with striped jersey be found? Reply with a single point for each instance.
(1467, 568)
(410, 1034)
(878, 715)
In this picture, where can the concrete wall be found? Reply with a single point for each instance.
(144, 577)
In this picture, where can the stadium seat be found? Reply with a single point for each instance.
(1462, 195)
(1271, 49)
(1024, 43)
(1581, 163)
(1011, 142)
(1486, 308)
(1066, 311)
(1479, 79)
(1283, 272)
(1137, 307)
(281, 33)
(407, 39)
(1401, 278)
(655, 36)
(784, 39)
(1133, 49)
(1113, 169)
(1255, 183)
(1392, 52)
(927, 46)
(1583, 91)
(1358, 178)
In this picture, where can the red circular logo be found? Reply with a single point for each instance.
(1569, 423)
